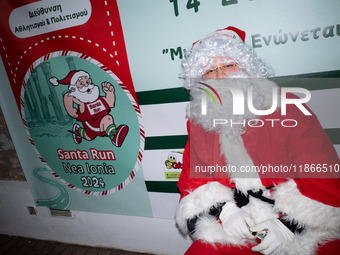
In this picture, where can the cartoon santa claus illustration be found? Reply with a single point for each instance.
(84, 103)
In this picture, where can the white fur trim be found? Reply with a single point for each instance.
(220, 34)
(200, 201)
(259, 210)
(77, 75)
(321, 222)
(306, 211)
(54, 81)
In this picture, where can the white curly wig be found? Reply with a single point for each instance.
(221, 44)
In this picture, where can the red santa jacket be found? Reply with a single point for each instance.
(312, 202)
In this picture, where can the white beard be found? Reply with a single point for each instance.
(87, 94)
(231, 143)
(236, 124)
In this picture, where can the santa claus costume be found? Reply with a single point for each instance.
(94, 108)
(290, 212)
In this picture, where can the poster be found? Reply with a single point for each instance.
(137, 47)
(77, 103)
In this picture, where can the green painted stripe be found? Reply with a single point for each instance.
(308, 81)
(333, 134)
(179, 141)
(162, 186)
(163, 96)
(165, 142)
(327, 74)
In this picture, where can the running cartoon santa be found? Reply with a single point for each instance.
(84, 103)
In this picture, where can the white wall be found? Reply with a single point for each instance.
(152, 235)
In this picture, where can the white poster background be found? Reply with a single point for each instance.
(150, 26)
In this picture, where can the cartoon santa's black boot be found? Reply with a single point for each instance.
(117, 135)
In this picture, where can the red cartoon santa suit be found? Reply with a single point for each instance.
(305, 210)
(92, 115)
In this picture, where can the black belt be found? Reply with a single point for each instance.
(241, 199)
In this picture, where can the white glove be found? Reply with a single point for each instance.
(277, 238)
(236, 222)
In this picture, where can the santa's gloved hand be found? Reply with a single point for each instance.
(277, 238)
(236, 222)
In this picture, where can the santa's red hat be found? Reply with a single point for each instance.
(70, 79)
(231, 32)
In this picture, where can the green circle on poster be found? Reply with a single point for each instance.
(82, 122)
